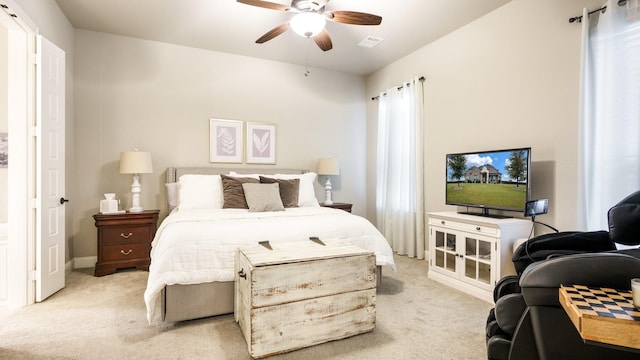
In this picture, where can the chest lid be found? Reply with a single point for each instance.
(299, 251)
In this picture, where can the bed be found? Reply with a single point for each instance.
(193, 253)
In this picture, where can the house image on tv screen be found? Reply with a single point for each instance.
(485, 174)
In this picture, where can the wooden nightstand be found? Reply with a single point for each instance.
(342, 206)
(124, 240)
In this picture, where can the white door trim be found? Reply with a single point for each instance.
(21, 109)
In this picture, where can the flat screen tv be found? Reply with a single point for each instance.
(497, 179)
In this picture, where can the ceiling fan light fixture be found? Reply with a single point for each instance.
(308, 24)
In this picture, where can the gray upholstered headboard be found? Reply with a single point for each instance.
(174, 173)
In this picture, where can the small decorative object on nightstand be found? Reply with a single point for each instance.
(342, 206)
(124, 240)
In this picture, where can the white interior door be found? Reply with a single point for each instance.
(50, 183)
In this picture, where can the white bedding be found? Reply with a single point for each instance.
(199, 246)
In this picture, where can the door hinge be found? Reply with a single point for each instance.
(34, 275)
(33, 203)
(34, 131)
(35, 59)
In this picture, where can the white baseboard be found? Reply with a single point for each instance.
(84, 262)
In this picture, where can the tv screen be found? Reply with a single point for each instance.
(489, 180)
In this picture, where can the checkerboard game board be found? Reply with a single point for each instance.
(602, 315)
(604, 302)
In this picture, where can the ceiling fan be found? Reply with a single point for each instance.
(310, 18)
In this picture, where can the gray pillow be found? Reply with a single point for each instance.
(233, 193)
(263, 197)
(289, 190)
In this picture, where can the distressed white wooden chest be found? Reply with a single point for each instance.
(303, 293)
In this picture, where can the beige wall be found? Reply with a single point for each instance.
(509, 79)
(159, 97)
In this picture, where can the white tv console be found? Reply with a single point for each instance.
(471, 253)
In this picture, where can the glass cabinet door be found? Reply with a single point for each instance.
(477, 259)
(445, 250)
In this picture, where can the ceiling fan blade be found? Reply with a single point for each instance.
(273, 33)
(323, 40)
(265, 4)
(354, 18)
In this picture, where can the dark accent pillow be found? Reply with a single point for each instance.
(233, 193)
(289, 190)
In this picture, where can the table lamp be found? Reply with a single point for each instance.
(136, 163)
(328, 167)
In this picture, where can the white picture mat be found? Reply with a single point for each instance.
(261, 143)
(225, 141)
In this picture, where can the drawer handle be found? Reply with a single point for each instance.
(242, 274)
(126, 252)
(126, 236)
(478, 228)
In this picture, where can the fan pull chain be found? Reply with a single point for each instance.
(307, 70)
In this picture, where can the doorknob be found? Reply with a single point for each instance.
(63, 200)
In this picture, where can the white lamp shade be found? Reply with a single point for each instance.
(307, 24)
(135, 162)
(328, 166)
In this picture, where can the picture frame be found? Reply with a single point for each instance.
(225, 141)
(261, 143)
(4, 150)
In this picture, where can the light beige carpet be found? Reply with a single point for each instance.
(104, 318)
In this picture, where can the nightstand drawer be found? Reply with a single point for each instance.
(125, 252)
(125, 235)
(124, 240)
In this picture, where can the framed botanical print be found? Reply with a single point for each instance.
(225, 141)
(261, 143)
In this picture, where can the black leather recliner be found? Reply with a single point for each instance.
(528, 321)
(557, 244)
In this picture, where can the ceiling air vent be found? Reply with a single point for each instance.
(370, 41)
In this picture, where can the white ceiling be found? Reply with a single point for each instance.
(231, 27)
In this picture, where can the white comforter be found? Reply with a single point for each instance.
(198, 246)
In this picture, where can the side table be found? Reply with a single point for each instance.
(338, 205)
(124, 240)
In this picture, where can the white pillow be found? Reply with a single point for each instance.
(200, 192)
(307, 193)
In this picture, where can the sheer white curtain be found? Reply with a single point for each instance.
(610, 111)
(400, 169)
